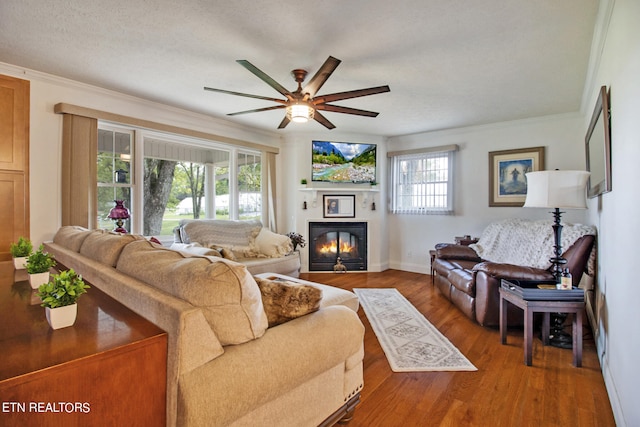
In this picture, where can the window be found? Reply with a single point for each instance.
(249, 186)
(114, 172)
(124, 150)
(179, 178)
(182, 180)
(422, 181)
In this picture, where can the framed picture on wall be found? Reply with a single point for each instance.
(507, 169)
(339, 206)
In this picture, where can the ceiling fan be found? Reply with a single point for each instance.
(302, 104)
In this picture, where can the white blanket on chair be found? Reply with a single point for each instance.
(527, 243)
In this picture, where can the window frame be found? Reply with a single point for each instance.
(422, 155)
(136, 184)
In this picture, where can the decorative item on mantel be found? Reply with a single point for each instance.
(60, 298)
(118, 214)
(296, 239)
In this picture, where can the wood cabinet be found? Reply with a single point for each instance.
(109, 368)
(14, 161)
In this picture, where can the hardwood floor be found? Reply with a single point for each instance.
(503, 392)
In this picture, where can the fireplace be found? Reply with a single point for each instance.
(330, 240)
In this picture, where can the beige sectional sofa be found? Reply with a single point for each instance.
(226, 364)
(246, 242)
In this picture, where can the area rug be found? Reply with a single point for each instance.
(409, 341)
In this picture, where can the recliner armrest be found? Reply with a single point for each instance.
(510, 271)
(453, 251)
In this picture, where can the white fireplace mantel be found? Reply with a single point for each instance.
(365, 191)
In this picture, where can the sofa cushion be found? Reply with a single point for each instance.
(453, 251)
(284, 300)
(227, 294)
(71, 237)
(272, 244)
(239, 236)
(288, 265)
(463, 280)
(105, 246)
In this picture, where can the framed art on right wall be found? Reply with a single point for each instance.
(598, 147)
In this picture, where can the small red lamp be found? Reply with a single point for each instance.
(118, 214)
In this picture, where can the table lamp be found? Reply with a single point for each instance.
(556, 189)
(118, 214)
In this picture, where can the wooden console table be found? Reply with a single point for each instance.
(109, 368)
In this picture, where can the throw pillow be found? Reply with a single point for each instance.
(272, 244)
(284, 300)
(226, 253)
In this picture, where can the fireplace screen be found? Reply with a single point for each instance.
(332, 240)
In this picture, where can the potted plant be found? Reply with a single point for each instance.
(38, 265)
(60, 298)
(303, 182)
(296, 239)
(20, 251)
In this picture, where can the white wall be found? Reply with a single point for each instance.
(414, 235)
(616, 213)
(46, 135)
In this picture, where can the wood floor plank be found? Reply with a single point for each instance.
(503, 392)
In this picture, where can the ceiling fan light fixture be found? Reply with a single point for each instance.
(300, 112)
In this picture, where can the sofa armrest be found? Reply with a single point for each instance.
(453, 251)
(510, 271)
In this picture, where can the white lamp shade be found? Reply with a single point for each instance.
(557, 189)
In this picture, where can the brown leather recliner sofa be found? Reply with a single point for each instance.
(471, 283)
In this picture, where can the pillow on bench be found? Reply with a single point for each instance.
(284, 300)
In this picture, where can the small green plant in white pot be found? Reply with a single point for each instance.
(20, 251)
(38, 265)
(60, 298)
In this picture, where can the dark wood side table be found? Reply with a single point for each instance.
(432, 256)
(509, 293)
(109, 368)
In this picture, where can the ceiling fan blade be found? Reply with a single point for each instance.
(339, 96)
(284, 123)
(228, 92)
(265, 78)
(321, 76)
(275, 107)
(346, 110)
(323, 120)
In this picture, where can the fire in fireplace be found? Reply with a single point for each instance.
(330, 240)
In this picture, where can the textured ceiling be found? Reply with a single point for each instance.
(449, 63)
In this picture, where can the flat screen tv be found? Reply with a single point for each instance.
(343, 162)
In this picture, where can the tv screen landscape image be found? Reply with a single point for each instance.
(343, 162)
